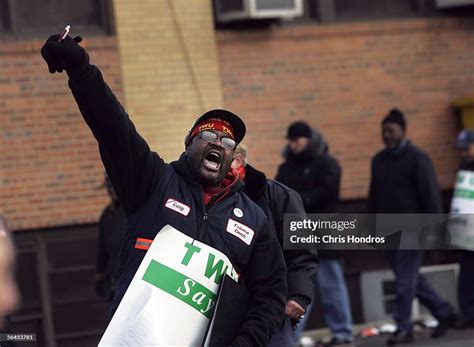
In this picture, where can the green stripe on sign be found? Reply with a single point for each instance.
(464, 193)
(181, 287)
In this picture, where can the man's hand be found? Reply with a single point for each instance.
(294, 310)
(65, 55)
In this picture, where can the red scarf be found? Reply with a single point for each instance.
(230, 178)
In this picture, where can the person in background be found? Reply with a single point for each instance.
(403, 180)
(8, 290)
(310, 170)
(276, 199)
(111, 225)
(465, 146)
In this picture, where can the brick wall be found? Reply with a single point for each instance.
(49, 163)
(165, 52)
(169, 67)
(342, 79)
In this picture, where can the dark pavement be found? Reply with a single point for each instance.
(453, 338)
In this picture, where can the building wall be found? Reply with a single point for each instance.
(163, 67)
(50, 168)
(342, 79)
(169, 67)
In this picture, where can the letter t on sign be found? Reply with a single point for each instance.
(189, 253)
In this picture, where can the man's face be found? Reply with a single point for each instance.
(298, 144)
(467, 155)
(392, 134)
(8, 289)
(209, 161)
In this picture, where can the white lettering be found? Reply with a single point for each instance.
(187, 288)
(210, 305)
(199, 297)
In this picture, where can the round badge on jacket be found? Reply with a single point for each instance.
(238, 212)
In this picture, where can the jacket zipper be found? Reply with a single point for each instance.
(203, 226)
(212, 204)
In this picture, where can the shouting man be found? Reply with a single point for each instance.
(201, 182)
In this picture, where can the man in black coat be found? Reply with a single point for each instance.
(276, 199)
(312, 172)
(403, 181)
(111, 224)
(198, 194)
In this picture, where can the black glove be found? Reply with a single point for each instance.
(65, 55)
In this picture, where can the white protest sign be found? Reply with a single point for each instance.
(461, 225)
(172, 295)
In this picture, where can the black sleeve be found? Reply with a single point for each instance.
(301, 264)
(280, 176)
(427, 185)
(132, 168)
(265, 279)
(327, 185)
(102, 256)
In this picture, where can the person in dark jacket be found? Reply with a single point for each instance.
(111, 224)
(465, 146)
(311, 171)
(403, 181)
(197, 194)
(276, 199)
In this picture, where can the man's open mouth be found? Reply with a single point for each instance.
(212, 160)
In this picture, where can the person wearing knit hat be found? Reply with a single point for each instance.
(393, 128)
(298, 135)
(198, 195)
(315, 175)
(403, 180)
(396, 116)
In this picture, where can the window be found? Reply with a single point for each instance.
(326, 11)
(37, 18)
(368, 9)
(330, 11)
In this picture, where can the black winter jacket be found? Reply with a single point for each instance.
(315, 175)
(144, 184)
(403, 181)
(276, 199)
(111, 225)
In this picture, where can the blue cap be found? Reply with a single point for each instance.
(465, 138)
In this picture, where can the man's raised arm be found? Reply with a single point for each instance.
(130, 164)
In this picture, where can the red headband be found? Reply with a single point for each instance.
(213, 124)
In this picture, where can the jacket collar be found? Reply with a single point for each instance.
(255, 182)
(316, 147)
(400, 149)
